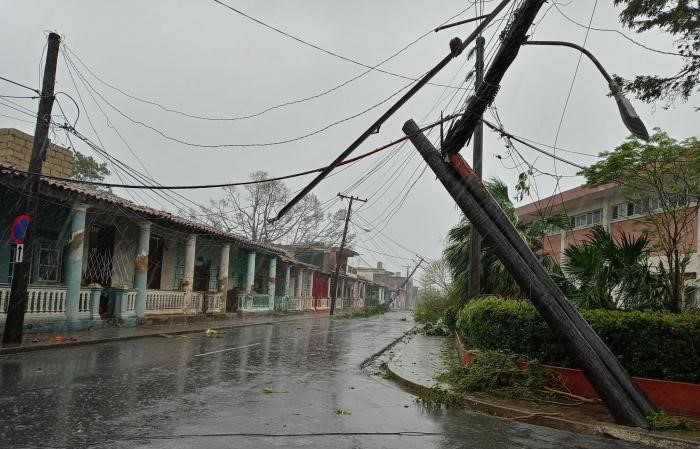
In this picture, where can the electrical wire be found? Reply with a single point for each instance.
(19, 84)
(242, 145)
(639, 44)
(323, 50)
(268, 109)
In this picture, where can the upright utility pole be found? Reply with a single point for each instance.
(334, 290)
(20, 279)
(474, 287)
(409, 276)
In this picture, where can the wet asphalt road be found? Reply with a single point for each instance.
(196, 392)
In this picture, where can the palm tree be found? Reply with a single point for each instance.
(495, 278)
(612, 274)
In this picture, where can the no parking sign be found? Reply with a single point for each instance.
(19, 228)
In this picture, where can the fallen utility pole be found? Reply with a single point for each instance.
(336, 274)
(474, 286)
(456, 48)
(625, 401)
(14, 321)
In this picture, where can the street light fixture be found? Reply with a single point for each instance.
(629, 116)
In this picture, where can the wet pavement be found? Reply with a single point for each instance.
(277, 385)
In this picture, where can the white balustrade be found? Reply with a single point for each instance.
(42, 302)
(321, 303)
(164, 301)
(295, 304)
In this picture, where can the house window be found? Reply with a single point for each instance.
(48, 263)
(631, 208)
(587, 219)
(626, 209)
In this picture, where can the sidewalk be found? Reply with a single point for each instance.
(417, 362)
(39, 341)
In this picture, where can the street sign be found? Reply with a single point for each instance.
(19, 228)
(19, 253)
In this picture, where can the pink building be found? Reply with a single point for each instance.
(605, 205)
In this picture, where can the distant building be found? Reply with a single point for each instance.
(402, 294)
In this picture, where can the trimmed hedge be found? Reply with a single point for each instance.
(649, 344)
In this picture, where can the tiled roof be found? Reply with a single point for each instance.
(7, 170)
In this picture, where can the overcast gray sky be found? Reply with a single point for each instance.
(201, 58)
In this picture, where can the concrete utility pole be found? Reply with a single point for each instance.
(14, 322)
(474, 287)
(334, 289)
(623, 398)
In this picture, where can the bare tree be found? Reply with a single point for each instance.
(437, 275)
(248, 210)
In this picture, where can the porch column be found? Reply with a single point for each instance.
(299, 281)
(287, 274)
(188, 276)
(250, 274)
(328, 294)
(223, 270)
(74, 268)
(141, 268)
(311, 283)
(272, 280)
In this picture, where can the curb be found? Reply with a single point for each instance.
(628, 434)
(41, 347)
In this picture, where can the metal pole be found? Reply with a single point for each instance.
(14, 322)
(474, 286)
(336, 274)
(455, 51)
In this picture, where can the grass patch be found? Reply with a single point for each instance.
(663, 421)
(342, 412)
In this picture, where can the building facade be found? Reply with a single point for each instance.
(606, 206)
(99, 259)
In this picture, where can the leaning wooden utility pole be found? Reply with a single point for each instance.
(14, 321)
(336, 274)
(474, 287)
(623, 398)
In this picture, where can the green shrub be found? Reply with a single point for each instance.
(431, 306)
(649, 344)
(449, 317)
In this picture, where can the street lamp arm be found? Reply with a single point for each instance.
(629, 116)
(595, 61)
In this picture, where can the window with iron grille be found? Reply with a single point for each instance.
(48, 263)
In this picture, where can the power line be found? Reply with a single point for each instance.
(238, 145)
(639, 44)
(20, 85)
(505, 133)
(321, 49)
(76, 133)
(268, 109)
